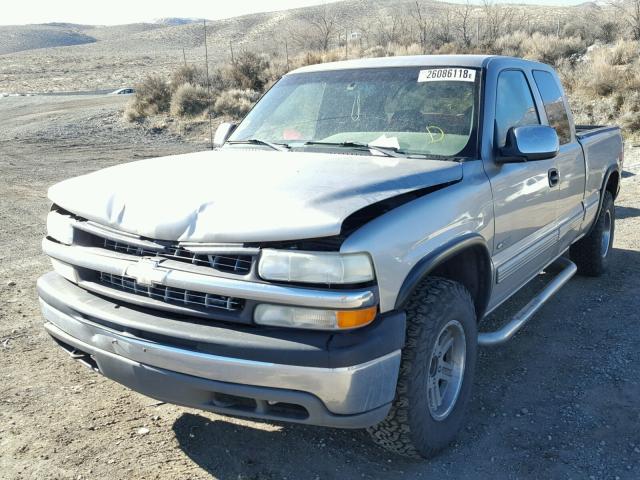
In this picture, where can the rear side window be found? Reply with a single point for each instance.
(514, 104)
(553, 104)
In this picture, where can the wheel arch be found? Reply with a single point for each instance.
(611, 184)
(466, 260)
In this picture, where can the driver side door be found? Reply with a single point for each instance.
(524, 194)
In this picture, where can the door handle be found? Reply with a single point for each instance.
(554, 177)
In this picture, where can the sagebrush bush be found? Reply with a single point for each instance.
(510, 44)
(598, 78)
(249, 71)
(152, 96)
(187, 74)
(313, 57)
(623, 52)
(189, 100)
(377, 51)
(551, 48)
(131, 114)
(235, 103)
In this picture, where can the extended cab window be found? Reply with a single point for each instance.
(514, 104)
(553, 104)
(418, 110)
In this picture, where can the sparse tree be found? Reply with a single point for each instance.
(630, 12)
(422, 23)
(390, 26)
(498, 20)
(608, 32)
(322, 25)
(443, 24)
(464, 26)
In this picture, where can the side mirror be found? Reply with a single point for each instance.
(223, 132)
(530, 142)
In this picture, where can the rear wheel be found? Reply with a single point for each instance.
(591, 253)
(436, 372)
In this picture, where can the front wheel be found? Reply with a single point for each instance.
(436, 371)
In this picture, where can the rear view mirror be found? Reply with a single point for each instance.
(530, 142)
(223, 132)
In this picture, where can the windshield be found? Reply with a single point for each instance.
(415, 110)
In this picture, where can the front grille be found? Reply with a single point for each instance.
(176, 296)
(238, 264)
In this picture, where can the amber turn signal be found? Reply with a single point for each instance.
(355, 318)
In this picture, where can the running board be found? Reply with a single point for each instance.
(523, 316)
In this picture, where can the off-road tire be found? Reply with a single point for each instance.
(409, 429)
(586, 253)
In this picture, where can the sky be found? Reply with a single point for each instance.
(114, 12)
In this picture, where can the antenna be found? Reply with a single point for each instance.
(206, 57)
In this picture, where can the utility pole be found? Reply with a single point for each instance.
(184, 56)
(346, 43)
(231, 48)
(286, 52)
(206, 56)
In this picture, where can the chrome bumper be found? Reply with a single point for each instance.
(353, 396)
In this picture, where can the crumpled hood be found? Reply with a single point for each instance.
(235, 195)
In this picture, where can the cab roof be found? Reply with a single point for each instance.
(471, 61)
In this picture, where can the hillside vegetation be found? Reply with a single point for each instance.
(123, 55)
(597, 61)
(593, 45)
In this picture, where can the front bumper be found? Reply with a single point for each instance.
(131, 346)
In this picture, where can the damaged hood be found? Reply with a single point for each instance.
(237, 196)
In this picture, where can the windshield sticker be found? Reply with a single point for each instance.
(447, 74)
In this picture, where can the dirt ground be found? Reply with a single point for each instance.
(561, 400)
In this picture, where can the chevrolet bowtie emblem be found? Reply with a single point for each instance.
(146, 272)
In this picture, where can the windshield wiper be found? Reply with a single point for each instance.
(281, 147)
(388, 151)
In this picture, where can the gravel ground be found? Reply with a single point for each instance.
(559, 401)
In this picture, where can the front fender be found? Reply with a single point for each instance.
(401, 239)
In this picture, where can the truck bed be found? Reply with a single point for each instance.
(584, 131)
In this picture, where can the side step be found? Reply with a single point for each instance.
(523, 316)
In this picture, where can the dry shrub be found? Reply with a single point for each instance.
(310, 58)
(449, 48)
(510, 44)
(131, 114)
(623, 52)
(396, 50)
(152, 96)
(314, 57)
(550, 48)
(598, 77)
(377, 51)
(414, 49)
(235, 103)
(249, 71)
(630, 119)
(189, 100)
(187, 74)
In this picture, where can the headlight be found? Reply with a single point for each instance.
(60, 227)
(311, 318)
(315, 267)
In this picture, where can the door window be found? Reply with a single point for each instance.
(514, 104)
(553, 104)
